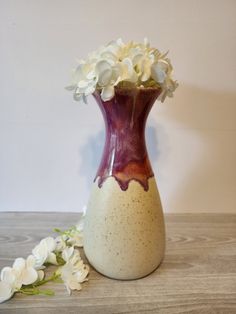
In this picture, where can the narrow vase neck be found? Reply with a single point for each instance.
(125, 155)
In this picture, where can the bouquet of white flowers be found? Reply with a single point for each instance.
(123, 65)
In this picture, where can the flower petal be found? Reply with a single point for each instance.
(102, 66)
(75, 259)
(29, 276)
(89, 90)
(158, 74)
(8, 275)
(40, 254)
(82, 274)
(136, 58)
(74, 285)
(76, 240)
(50, 243)
(107, 93)
(60, 244)
(77, 96)
(6, 291)
(67, 253)
(52, 259)
(68, 288)
(40, 275)
(30, 261)
(105, 77)
(82, 84)
(19, 263)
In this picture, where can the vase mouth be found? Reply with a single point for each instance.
(137, 89)
(118, 88)
(133, 90)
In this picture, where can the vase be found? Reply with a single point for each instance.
(124, 232)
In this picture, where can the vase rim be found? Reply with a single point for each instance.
(132, 88)
(127, 90)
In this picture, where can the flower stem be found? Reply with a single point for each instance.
(33, 290)
(54, 277)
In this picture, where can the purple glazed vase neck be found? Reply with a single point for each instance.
(125, 155)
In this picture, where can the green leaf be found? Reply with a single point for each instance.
(57, 230)
(59, 258)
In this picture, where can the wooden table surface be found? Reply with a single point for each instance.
(198, 274)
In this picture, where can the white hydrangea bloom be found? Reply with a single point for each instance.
(117, 62)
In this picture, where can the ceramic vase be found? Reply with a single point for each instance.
(124, 232)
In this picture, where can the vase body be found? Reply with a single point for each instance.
(124, 232)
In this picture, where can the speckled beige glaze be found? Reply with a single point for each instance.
(124, 233)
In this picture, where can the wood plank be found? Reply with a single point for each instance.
(198, 274)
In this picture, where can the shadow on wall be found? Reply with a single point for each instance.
(155, 135)
(91, 154)
(158, 146)
(200, 169)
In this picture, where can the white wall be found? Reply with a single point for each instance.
(50, 146)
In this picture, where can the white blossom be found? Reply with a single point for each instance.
(60, 243)
(159, 71)
(25, 272)
(76, 239)
(72, 277)
(43, 252)
(6, 291)
(74, 272)
(118, 62)
(22, 272)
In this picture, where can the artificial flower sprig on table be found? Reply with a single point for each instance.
(26, 276)
(122, 65)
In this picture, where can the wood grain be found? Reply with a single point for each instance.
(198, 274)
